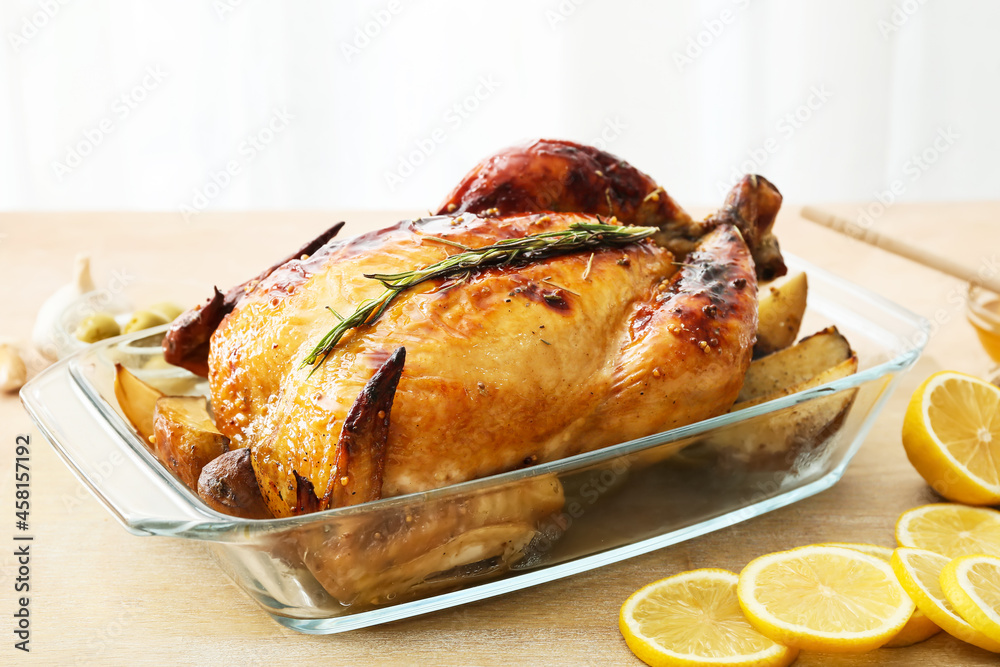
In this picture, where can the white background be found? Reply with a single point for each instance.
(690, 92)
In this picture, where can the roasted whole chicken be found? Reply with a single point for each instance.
(509, 367)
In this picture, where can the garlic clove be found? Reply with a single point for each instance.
(46, 332)
(13, 372)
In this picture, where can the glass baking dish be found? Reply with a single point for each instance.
(357, 566)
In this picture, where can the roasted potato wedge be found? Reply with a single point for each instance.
(846, 367)
(185, 437)
(773, 442)
(793, 366)
(228, 485)
(137, 400)
(780, 314)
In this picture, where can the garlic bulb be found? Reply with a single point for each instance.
(46, 333)
(13, 372)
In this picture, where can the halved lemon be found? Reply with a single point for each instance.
(919, 571)
(822, 598)
(950, 530)
(694, 618)
(919, 628)
(951, 434)
(972, 586)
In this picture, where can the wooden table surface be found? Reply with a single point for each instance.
(102, 596)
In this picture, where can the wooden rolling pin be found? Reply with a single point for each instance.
(901, 248)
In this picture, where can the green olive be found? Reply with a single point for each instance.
(144, 319)
(167, 309)
(97, 326)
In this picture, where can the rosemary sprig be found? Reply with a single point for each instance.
(531, 248)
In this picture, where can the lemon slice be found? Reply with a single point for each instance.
(694, 618)
(821, 598)
(919, 571)
(919, 628)
(885, 553)
(951, 434)
(972, 586)
(950, 530)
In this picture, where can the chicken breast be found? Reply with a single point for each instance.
(511, 367)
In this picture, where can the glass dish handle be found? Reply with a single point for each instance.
(139, 496)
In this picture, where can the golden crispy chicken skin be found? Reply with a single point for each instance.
(542, 175)
(552, 175)
(187, 341)
(514, 366)
(562, 176)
